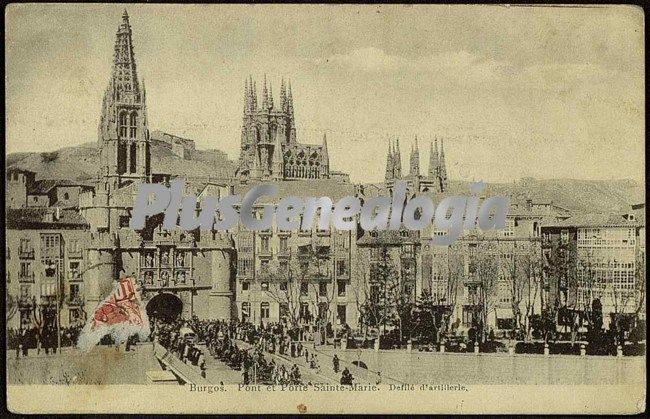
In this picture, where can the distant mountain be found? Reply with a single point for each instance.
(82, 162)
(603, 196)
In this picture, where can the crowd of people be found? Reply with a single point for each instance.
(220, 338)
(41, 339)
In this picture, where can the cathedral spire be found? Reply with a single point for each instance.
(443, 167)
(397, 161)
(434, 168)
(414, 166)
(283, 95)
(124, 75)
(277, 167)
(265, 96)
(254, 98)
(144, 104)
(123, 129)
(270, 95)
(389, 162)
(292, 124)
(290, 100)
(325, 165)
(247, 96)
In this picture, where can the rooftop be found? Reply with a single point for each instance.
(35, 218)
(598, 220)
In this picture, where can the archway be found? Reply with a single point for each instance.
(360, 364)
(165, 307)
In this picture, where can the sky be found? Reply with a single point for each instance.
(545, 92)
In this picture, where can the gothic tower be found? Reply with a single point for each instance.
(123, 133)
(397, 162)
(389, 163)
(269, 149)
(433, 161)
(443, 168)
(325, 159)
(414, 166)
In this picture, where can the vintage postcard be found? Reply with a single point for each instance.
(325, 209)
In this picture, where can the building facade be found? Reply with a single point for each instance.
(300, 277)
(434, 180)
(44, 261)
(597, 259)
(187, 273)
(269, 147)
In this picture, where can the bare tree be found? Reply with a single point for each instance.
(531, 264)
(639, 284)
(12, 307)
(374, 273)
(399, 291)
(621, 297)
(446, 276)
(285, 290)
(562, 270)
(487, 273)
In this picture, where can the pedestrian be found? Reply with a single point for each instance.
(346, 377)
(25, 343)
(306, 355)
(335, 361)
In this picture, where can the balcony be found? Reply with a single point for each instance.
(26, 301)
(265, 254)
(75, 300)
(74, 276)
(48, 300)
(26, 253)
(170, 285)
(75, 253)
(267, 273)
(26, 277)
(51, 252)
(284, 253)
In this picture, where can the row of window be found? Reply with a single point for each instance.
(245, 267)
(304, 287)
(304, 312)
(128, 124)
(48, 290)
(27, 271)
(48, 243)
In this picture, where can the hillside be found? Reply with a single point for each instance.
(578, 195)
(81, 162)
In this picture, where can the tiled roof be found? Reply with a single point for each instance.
(388, 237)
(596, 220)
(32, 218)
(44, 186)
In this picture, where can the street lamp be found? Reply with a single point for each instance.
(54, 267)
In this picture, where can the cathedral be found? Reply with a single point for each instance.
(178, 272)
(123, 134)
(269, 149)
(436, 178)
